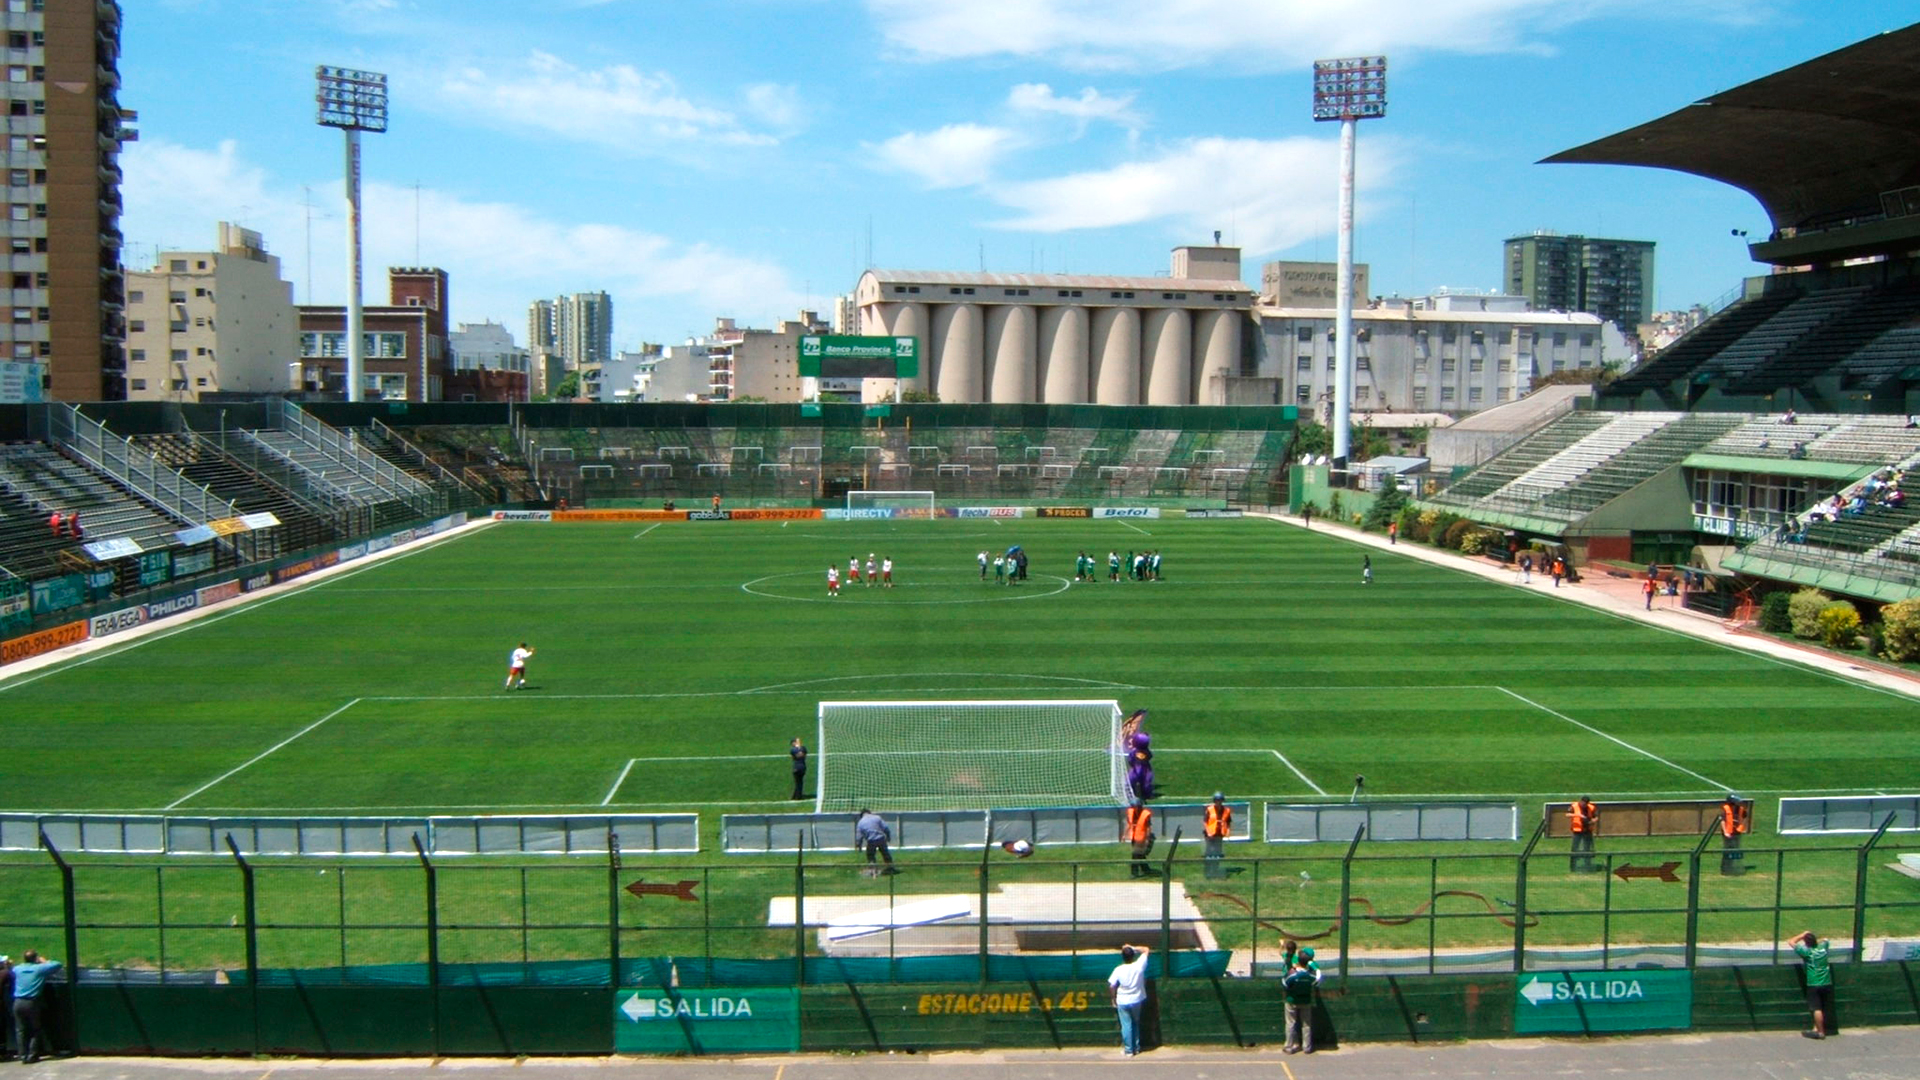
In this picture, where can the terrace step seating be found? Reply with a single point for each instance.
(28, 548)
(1846, 334)
(1638, 462)
(1799, 321)
(201, 460)
(1867, 441)
(484, 456)
(49, 480)
(1523, 456)
(1702, 343)
(331, 471)
(1889, 357)
(1865, 531)
(1772, 436)
(1622, 431)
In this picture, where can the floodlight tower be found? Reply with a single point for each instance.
(353, 101)
(1349, 91)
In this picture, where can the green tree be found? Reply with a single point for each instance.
(1386, 506)
(569, 387)
(914, 397)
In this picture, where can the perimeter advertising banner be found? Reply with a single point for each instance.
(729, 1021)
(1588, 1001)
(58, 637)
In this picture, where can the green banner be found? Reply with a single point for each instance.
(155, 567)
(59, 593)
(1588, 1001)
(16, 606)
(850, 356)
(730, 1021)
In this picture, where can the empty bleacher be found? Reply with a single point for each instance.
(42, 476)
(1523, 456)
(1793, 324)
(1701, 344)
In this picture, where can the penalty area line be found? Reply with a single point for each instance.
(1291, 767)
(621, 779)
(262, 755)
(1710, 781)
(647, 530)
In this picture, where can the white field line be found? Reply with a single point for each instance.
(1304, 778)
(1615, 739)
(1135, 528)
(621, 779)
(649, 529)
(808, 687)
(262, 755)
(242, 606)
(1276, 796)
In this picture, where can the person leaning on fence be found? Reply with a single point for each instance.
(1127, 989)
(1819, 979)
(870, 833)
(1297, 986)
(1583, 824)
(1736, 817)
(29, 986)
(1137, 830)
(1215, 826)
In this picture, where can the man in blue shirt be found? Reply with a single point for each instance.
(871, 834)
(29, 981)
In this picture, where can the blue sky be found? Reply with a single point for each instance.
(702, 158)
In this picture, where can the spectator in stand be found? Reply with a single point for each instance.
(73, 526)
(55, 522)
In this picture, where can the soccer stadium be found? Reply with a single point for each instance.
(274, 790)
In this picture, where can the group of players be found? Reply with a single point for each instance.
(880, 573)
(1137, 566)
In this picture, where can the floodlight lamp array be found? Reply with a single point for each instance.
(350, 99)
(1354, 88)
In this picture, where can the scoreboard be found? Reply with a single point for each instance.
(848, 356)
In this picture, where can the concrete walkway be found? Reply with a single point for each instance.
(1621, 597)
(1881, 1054)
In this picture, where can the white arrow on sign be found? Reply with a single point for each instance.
(1536, 991)
(635, 1008)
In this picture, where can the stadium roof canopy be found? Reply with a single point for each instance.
(1815, 143)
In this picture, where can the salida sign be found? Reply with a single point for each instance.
(1603, 1001)
(661, 1021)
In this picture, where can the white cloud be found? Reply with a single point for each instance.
(778, 107)
(499, 256)
(1089, 106)
(1266, 35)
(620, 107)
(956, 155)
(1271, 193)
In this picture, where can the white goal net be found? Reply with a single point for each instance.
(937, 755)
(889, 504)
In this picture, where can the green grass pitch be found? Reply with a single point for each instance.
(676, 660)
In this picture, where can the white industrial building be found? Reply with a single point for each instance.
(1065, 339)
(1450, 353)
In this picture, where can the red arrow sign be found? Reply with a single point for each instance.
(1665, 872)
(681, 889)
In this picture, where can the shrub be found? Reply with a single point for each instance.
(1839, 625)
(1774, 618)
(1478, 542)
(1335, 509)
(1410, 523)
(1803, 612)
(1900, 630)
(1444, 521)
(1456, 534)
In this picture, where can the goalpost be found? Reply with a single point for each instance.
(939, 755)
(913, 504)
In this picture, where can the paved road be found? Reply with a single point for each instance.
(1883, 1054)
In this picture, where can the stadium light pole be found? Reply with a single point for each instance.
(1348, 90)
(353, 101)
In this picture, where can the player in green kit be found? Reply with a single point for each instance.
(1113, 566)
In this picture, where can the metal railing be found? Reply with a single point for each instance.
(334, 444)
(135, 468)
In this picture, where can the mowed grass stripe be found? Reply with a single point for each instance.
(1252, 613)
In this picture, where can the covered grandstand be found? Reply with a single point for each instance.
(1797, 393)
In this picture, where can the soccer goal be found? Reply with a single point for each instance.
(865, 504)
(937, 755)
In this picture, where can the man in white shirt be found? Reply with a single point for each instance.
(833, 580)
(517, 667)
(886, 573)
(1127, 987)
